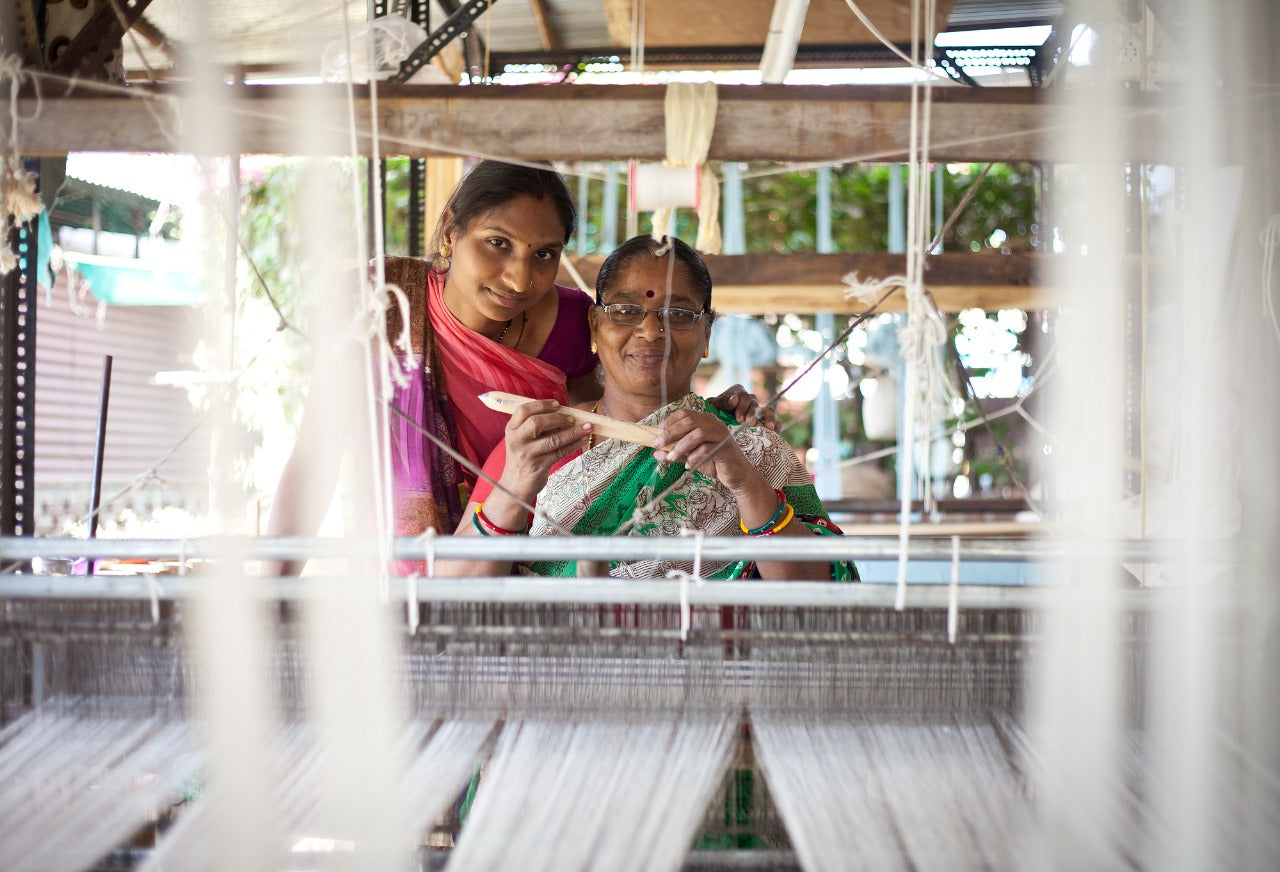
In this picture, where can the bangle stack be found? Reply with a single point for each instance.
(487, 528)
(780, 518)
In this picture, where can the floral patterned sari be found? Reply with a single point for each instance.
(611, 490)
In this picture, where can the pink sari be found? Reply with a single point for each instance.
(474, 364)
(454, 366)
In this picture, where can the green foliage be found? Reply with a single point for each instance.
(396, 197)
(781, 208)
(1002, 214)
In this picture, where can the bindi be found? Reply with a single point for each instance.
(649, 294)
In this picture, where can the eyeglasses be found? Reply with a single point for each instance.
(632, 314)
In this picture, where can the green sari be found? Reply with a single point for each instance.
(617, 488)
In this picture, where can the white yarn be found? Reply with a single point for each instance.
(690, 122)
(868, 291)
(379, 378)
(924, 331)
(572, 270)
(661, 186)
(11, 68)
(884, 40)
(708, 239)
(637, 37)
(376, 302)
(412, 614)
(686, 614)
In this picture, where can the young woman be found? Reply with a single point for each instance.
(651, 324)
(485, 314)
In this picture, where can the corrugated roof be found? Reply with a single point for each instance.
(291, 32)
(973, 14)
(158, 177)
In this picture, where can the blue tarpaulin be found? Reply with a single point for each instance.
(121, 281)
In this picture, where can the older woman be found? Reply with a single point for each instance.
(650, 325)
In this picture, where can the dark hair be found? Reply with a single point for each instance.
(491, 183)
(694, 266)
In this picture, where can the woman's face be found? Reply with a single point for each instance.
(504, 261)
(636, 359)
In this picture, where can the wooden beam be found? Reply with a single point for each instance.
(813, 299)
(811, 283)
(546, 32)
(837, 123)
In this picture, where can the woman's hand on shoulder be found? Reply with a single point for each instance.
(539, 435)
(701, 441)
(746, 408)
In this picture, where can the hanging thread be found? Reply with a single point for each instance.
(690, 113)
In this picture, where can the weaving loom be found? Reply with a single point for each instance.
(780, 732)
(219, 722)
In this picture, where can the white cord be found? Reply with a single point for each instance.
(637, 36)
(1270, 241)
(866, 22)
(11, 68)
(411, 602)
(686, 614)
(153, 590)
(572, 270)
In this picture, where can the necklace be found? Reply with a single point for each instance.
(524, 321)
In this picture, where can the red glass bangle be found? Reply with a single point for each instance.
(488, 528)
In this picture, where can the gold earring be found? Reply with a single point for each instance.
(593, 346)
(706, 352)
(446, 253)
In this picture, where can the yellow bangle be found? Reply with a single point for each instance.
(487, 528)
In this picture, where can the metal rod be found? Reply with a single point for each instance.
(525, 548)
(607, 591)
(99, 445)
(586, 591)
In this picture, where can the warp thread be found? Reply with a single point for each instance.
(1270, 242)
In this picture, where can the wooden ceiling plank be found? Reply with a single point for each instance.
(546, 29)
(617, 17)
(699, 23)
(609, 122)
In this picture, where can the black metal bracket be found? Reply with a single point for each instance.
(948, 65)
(453, 26)
(100, 36)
